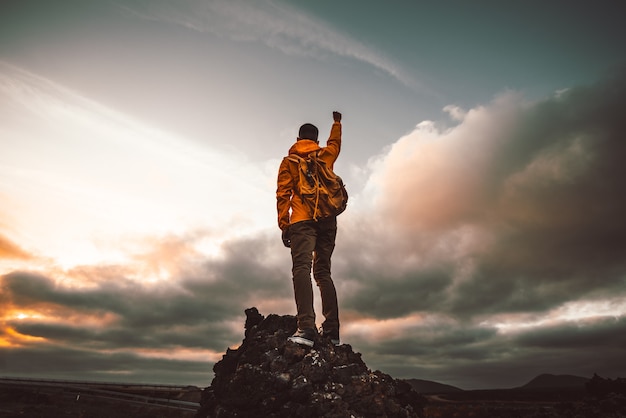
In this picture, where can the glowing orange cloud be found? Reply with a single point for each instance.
(8, 250)
(11, 338)
(438, 177)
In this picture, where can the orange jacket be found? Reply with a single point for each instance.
(290, 207)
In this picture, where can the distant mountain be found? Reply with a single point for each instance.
(551, 381)
(426, 386)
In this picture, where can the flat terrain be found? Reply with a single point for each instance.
(51, 399)
(524, 404)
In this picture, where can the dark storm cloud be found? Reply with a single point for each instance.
(518, 208)
(483, 236)
(472, 356)
(386, 295)
(561, 232)
(591, 334)
(210, 292)
(201, 309)
(141, 316)
(102, 309)
(458, 342)
(67, 362)
(247, 268)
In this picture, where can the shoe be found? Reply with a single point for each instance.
(332, 335)
(303, 337)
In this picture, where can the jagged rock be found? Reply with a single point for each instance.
(268, 376)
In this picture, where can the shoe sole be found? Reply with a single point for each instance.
(301, 341)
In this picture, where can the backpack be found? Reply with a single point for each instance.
(319, 187)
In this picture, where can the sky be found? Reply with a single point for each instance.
(484, 241)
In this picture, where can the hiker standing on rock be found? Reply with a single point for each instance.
(308, 230)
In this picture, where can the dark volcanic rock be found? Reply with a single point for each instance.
(268, 376)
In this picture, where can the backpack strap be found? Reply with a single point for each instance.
(314, 176)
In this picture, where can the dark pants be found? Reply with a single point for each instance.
(312, 243)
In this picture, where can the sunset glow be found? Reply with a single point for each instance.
(139, 148)
(11, 338)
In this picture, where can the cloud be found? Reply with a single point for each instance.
(474, 356)
(493, 247)
(516, 208)
(195, 293)
(10, 250)
(588, 334)
(479, 254)
(147, 296)
(98, 171)
(188, 318)
(66, 362)
(275, 24)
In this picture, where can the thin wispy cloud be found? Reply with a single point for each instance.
(275, 24)
(108, 172)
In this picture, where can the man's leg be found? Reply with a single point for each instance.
(325, 244)
(303, 237)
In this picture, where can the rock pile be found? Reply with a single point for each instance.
(268, 376)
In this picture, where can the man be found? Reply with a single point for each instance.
(312, 242)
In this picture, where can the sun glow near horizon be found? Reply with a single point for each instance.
(87, 179)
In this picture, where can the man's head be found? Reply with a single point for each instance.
(308, 131)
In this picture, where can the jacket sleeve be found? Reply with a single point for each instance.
(284, 191)
(333, 146)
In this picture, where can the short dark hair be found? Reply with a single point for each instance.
(308, 131)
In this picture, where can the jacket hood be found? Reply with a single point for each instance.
(304, 147)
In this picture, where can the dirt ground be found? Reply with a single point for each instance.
(23, 402)
(51, 403)
(512, 404)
